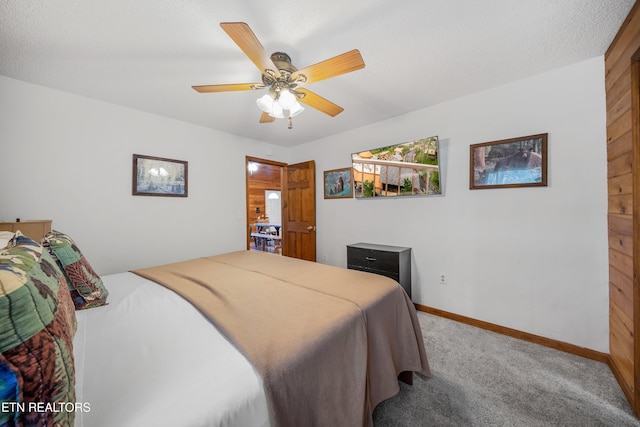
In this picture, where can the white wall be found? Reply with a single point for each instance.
(69, 159)
(533, 259)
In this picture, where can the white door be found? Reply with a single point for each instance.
(273, 205)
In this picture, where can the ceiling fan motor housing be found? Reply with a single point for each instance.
(282, 61)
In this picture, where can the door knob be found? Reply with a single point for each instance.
(311, 228)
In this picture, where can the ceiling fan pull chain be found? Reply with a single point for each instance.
(290, 122)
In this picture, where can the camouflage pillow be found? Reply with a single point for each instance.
(87, 289)
(37, 325)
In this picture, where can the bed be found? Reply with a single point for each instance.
(149, 358)
(244, 338)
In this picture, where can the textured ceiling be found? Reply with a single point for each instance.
(146, 54)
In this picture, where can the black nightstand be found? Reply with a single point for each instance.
(389, 261)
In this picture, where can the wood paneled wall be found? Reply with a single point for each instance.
(622, 68)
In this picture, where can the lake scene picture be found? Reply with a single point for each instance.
(159, 177)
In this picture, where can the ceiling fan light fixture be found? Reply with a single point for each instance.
(275, 103)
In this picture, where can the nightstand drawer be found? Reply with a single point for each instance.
(373, 260)
(394, 276)
(390, 261)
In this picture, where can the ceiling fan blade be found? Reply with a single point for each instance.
(266, 118)
(227, 88)
(319, 103)
(341, 64)
(250, 45)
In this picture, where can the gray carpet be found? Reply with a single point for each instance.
(481, 378)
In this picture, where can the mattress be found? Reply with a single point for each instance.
(149, 358)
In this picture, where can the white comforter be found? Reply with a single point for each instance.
(149, 358)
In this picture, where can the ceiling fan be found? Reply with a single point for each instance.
(282, 79)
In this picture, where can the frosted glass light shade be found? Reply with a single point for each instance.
(286, 99)
(295, 109)
(265, 102)
(276, 111)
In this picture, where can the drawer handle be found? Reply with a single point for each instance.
(369, 258)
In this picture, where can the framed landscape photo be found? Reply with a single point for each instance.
(157, 176)
(403, 169)
(515, 162)
(338, 183)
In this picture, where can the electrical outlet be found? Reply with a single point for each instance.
(443, 279)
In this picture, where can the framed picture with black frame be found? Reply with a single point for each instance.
(158, 176)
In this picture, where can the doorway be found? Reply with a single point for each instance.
(264, 204)
(296, 234)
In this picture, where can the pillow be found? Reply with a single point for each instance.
(37, 325)
(5, 236)
(87, 289)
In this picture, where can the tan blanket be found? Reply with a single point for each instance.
(328, 342)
